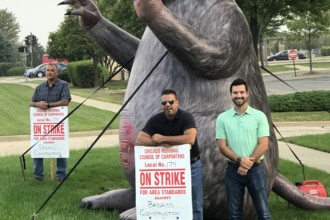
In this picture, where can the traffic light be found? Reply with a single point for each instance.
(22, 49)
(34, 40)
(27, 40)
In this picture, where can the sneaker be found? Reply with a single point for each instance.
(36, 178)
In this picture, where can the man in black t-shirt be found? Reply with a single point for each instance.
(171, 127)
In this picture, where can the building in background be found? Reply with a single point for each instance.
(46, 59)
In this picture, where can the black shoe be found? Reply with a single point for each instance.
(36, 178)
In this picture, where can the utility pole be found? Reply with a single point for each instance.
(25, 62)
(23, 49)
(31, 49)
(25, 58)
(31, 41)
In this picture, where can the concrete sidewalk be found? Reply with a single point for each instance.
(308, 157)
(16, 145)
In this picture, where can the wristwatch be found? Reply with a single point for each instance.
(48, 105)
(238, 160)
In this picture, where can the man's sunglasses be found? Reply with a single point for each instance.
(163, 102)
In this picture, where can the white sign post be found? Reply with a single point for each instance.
(56, 143)
(163, 182)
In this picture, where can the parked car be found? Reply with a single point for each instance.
(40, 70)
(284, 55)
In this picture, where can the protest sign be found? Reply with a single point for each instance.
(56, 143)
(163, 182)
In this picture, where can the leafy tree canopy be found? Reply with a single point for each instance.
(71, 42)
(266, 16)
(6, 48)
(122, 14)
(9, 25)
(310, 25)
(308, 28)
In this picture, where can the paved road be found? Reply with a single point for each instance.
(301, 82)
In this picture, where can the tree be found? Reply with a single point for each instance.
(10, 29)
(6, 49)
(123, 15)
(308, 27)
(9, 25)
(261, 14)
(38, 51)
(73, 43)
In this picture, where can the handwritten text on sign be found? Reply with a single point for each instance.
(56, 143)
(163, 181)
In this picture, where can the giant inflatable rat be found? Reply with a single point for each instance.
(209, 44)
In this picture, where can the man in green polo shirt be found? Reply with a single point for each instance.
(242, 137)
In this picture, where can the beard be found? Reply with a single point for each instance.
(239, 101)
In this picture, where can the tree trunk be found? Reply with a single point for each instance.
(255, 33)
(261, 54)
(310, 53)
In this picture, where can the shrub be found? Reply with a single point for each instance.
(82, 74)
(4, 67)
(16, 71)
(70, 68)
(325, 50)
(64, 76)
(300, 102)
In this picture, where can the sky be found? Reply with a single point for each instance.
(39, 17)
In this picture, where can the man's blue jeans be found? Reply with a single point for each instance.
(255, 181)
(39, 168)
(197, 189)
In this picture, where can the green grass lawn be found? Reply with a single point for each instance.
(277, 68)
(37, 81)
(100, 171)
(15, 117)
(319, 142)
(285, 67)
(281, 210)
(103, 94)
(300, 116)
(113, 92)
(317, 65)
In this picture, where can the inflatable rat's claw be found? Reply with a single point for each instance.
(79, 12)
(67, 2)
